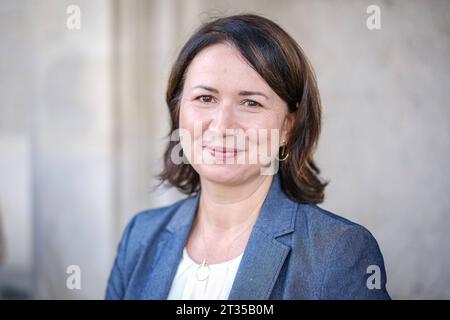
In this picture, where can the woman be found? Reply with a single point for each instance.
(245, 106)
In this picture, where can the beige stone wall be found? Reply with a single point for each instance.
(56, 132)
(83, 121)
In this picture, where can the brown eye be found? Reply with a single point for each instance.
(205, 99)
(252, 103)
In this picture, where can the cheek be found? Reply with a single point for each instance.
(186, 117)
(265, 138)
(192, 121)
(267, 128)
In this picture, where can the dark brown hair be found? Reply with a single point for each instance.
(280, 61)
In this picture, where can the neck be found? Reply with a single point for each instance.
(227, 208)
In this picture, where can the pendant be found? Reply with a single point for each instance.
(202, 272)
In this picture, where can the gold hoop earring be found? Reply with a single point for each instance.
(283, 154)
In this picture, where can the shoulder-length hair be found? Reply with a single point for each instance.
(280, 61)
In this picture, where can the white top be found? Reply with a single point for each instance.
(217, 286)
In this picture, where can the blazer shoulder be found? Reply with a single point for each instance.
(343, 253)
(150, 222)
(324, 228)
(154, 215)
(329, 226)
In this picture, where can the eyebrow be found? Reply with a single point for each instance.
(241, 93)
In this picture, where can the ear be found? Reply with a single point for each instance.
(287, 127)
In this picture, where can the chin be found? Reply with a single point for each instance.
(225, 174)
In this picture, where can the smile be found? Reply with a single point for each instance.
(222, 152)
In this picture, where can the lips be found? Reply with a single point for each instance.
(222, 152)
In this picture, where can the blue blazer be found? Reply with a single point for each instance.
(295, 251)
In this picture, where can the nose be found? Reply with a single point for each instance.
(223, 119)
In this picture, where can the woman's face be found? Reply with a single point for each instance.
(231, 121)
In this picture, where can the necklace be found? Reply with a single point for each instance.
(203, 269)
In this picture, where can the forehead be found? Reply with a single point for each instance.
(224, 62)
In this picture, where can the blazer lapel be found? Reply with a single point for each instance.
(169, 251)
(259, 268)
(264, 255)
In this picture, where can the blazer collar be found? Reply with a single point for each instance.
(275, 217)
(263, 256)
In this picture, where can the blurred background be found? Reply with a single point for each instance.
(83, 124)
